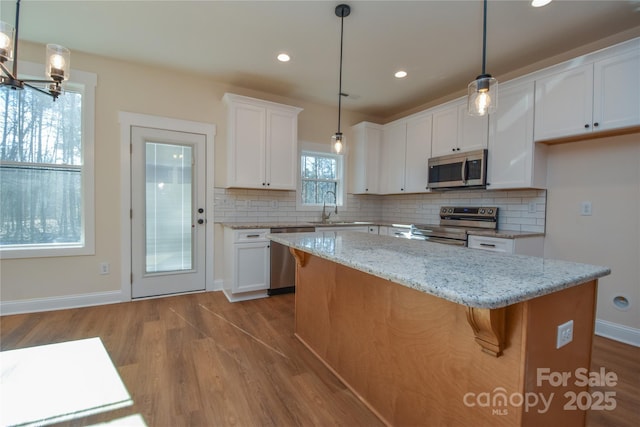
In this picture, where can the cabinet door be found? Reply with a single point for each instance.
(251, 267)
(510, 154)
(418, 151)
(365, 158)
(472, 131)
(445, 131)
(617, 92)
(246, 150)
(392, 159)
(282, 150)
(564, 103)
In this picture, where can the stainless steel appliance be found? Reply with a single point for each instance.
(455, 222)
(458, 170)
(283, 265)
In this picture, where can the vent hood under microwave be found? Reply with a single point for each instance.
(467, 169)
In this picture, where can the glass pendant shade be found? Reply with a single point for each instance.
(337, 143)
(6, 41)
(482, 95)
(57, 62)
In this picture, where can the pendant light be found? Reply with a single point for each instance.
(337, 141)
(483, 91)
(57, 62)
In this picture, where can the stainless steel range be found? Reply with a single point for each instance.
(455, 222)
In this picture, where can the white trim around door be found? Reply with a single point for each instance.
(127, 121)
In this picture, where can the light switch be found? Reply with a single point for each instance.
(585, 208)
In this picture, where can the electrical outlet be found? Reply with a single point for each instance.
(565, 334)
(274, 204)
(105, 268)
(585, 208)
(532, 207)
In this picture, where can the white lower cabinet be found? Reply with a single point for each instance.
(246, 263)
(533, 246)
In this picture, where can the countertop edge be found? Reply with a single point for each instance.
(486, 302)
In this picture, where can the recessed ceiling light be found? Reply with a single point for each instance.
(540, 3)
(283, 57)
(400, 74)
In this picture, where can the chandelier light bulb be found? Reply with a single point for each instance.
(57, 61)
(6, 42)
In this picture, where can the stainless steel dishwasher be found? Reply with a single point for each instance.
(283, 265)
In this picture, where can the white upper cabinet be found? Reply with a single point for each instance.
(262, 144)
(600, 95)
(514, 160)
(392, 160)
(616, 91)
(418, 151)
(564, 103)
(456, 131)
(364, 154)
(406, 147)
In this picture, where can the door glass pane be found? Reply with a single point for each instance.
(169, 231)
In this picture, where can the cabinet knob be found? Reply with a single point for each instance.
(366, 189)
(596, 124)
(201, 221)
(264, 183)
(200, 210)
(586, 126)
(268, 184)
(453, 149)
(402, 189)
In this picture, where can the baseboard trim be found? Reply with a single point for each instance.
(59, 303)
(618, 332)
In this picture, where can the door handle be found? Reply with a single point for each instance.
(464, 170)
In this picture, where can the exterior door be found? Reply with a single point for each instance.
(168, 223)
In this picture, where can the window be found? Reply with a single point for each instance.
(46, 170)
(320, 173)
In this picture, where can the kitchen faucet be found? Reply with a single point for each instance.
(325, 216)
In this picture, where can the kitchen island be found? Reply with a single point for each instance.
(431, 334)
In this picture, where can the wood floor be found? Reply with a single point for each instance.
(197, 360)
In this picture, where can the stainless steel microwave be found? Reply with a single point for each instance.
(458, 170)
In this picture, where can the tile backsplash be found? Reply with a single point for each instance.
(521, 210)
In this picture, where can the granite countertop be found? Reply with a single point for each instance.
(465, 276)
(505, 234)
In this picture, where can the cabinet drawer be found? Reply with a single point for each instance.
(254, 235)
(493, 244)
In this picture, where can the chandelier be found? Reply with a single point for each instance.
(57, 62)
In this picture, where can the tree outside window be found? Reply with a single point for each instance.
(41, 166)
(320, 173)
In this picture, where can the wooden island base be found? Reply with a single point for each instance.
(413, 359)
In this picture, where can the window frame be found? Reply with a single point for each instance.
(340, 171)
(84, 83)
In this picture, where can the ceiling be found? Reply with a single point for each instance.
(438, 43)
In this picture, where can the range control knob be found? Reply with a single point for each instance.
(490, 212)
(481, 211)
(443, 210)
(450, 210)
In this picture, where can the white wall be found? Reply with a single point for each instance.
(605, 172)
